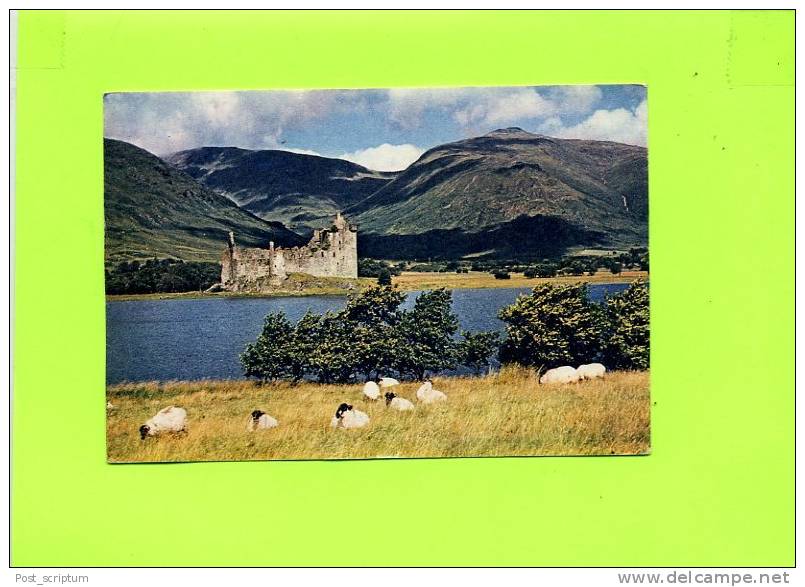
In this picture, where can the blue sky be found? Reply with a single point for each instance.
(380, 129)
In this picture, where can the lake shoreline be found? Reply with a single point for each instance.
(407, 281)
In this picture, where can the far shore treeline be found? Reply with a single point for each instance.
(373, 336)
(177, 276)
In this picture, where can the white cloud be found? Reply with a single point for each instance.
(575, 99)
(619, 125)
(385, 157)
(517, 105)
(167, 122)
(406, 106)
(480, 109)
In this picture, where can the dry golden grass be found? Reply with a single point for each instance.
(411, 281)
(506, 414)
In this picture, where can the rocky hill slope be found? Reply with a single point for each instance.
(301, 191)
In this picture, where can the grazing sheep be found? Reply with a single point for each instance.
(427, 395)
(560, 375)
(591, 371)
(259, 420)
(371, 390)
(388, 382)
(170, 419)
(398, 403)
(347, 417)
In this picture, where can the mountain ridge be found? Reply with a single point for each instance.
(154, 210)
(298, 189)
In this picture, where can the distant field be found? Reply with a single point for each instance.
(408, 281)
(476, 279)
(498, 415)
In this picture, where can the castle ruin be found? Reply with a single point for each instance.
(332, 252)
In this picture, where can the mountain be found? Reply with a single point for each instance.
(301, 191)
(154, 210)
(509, 193)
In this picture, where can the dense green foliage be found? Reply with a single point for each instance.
(477, 349)
(384, 278)
(373, 268)
(371, 336)
(559, 325)
(555, 325)
(626, 344)
(161, 276)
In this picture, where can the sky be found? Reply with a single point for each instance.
(385, 130)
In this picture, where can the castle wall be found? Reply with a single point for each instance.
(331, 252)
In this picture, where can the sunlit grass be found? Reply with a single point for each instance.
(410, 281)
(505, 414)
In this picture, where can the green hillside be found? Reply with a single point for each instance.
(489, 194)
(154, 210)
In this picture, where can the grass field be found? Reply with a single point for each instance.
(408, 281)
(411, 281)
(504, 414)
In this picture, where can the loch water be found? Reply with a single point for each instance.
(191, 339)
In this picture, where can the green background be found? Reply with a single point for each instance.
(718, 488)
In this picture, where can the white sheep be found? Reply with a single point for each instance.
(388, 382)
(170, 419)
(591, 371)
(560, 375)
(347, 417)
(427, 395)
(395, 402)
(259, 420)
(371, 390)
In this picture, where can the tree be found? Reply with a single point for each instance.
(554, 325)
(384, 278)
(546, 270)
(269, 357)
(615, 267)
(501, 274)
(305, 339)
(530, 272)
(477, 348)
(426, 333)
(333, 356)
(626, 342)
(376, 313)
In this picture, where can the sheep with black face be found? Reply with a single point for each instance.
(398, 403)
(348, 417)
(259, 420)
(170, 419)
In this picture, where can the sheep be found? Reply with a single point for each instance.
(259, 420)
(170, 419)
(591, 371)
(347, 417)
(371, 390)
(560, 375)
(427, 395)
(424, 389)
(110, 406)
(398, 403)
(388, 382)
